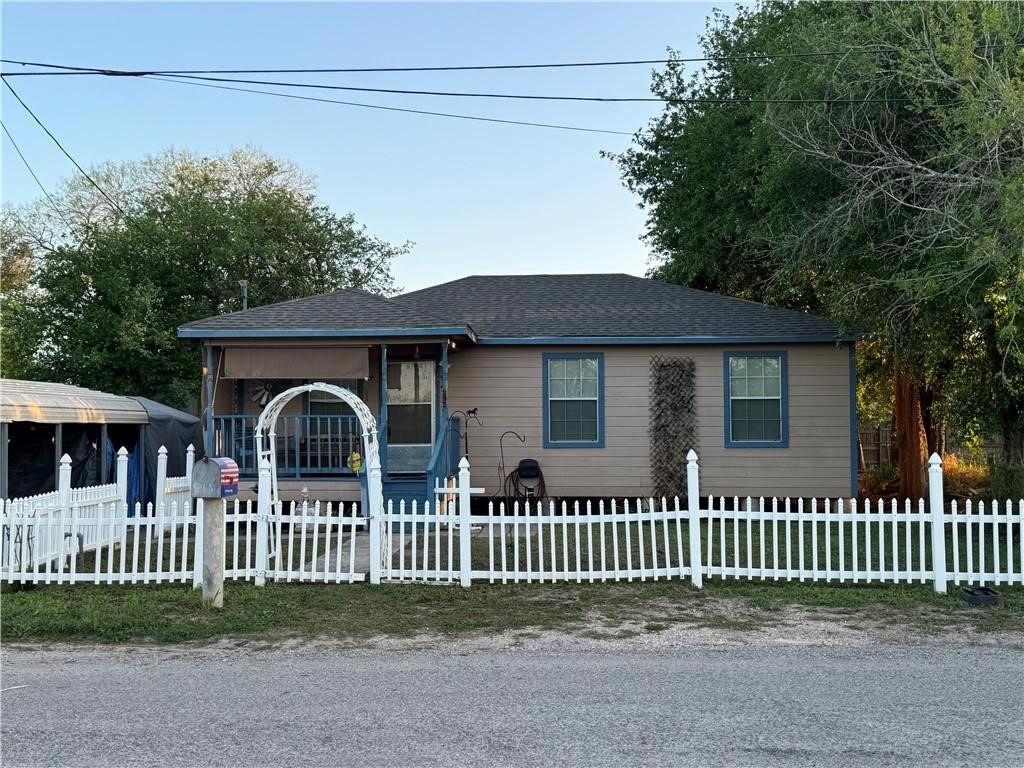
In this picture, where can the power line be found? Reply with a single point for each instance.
(470, 68)
(28, 166)
(534, 97)
(540, 97)
(67, 154)
(390, 109)
(531, 97)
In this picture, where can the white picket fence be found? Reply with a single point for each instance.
(647, 539)
(42, 533)
(151, 546)
(828, 541)
(307, 542)
(539, 542)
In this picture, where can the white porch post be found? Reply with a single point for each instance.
(693, 516)
(936, 505)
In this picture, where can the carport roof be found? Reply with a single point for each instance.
(46, 402)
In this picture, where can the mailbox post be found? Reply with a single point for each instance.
(214, 480)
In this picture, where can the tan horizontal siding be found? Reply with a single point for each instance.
(505, 384)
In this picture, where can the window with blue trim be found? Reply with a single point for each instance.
(756, 409)
(573, 400)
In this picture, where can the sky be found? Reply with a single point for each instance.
(473, 197)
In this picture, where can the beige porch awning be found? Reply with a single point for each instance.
(318, 363)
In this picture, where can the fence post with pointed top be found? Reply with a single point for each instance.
(263, 522)
(190, 462)
(936, 504)
(64, 483)
(121, 475)
(375, 516)
(465, 550)
(693, 517)
(160, 494)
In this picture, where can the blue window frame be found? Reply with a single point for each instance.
(756, 399)
(573, 399)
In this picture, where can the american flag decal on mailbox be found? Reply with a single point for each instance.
(228, 476)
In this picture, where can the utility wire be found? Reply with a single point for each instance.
(28, 166)
(389, 109)
(531, 97)
(538, 97)
(67, 154)
(471, 68)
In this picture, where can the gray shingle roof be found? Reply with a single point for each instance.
(530, 307)
(348, 309)
(613, 305)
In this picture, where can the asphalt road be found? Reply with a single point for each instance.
(736, 706)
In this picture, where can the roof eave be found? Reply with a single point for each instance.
(652, 340)
(186, 332)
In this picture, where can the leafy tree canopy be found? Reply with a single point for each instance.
(93, 292)
(872, 171)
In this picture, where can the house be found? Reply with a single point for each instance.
(605, 380)
(40, 421)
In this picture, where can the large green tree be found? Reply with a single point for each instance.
(863, 160)
(94, 290)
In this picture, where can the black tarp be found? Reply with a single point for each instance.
(32, 466)
(173, 429)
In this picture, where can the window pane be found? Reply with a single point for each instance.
(739, 429)
(772, 366)
(739, 409)
(772, 430)
(409, 424)
(772, 387)
(772, 410)
(755, 367)
(573, 386)
(755, 387)
(755, 409)
(410, 382)
(738, 387)
(737, 366)
(755, 430)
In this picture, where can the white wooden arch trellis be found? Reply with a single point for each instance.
(265, 439)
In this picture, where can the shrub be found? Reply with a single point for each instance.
(963, 478)
(1006, 480)
(878, 481)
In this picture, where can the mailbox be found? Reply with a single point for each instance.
(212, 478)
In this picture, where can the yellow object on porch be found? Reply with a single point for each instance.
(355, 462)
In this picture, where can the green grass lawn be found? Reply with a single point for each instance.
(170, 614)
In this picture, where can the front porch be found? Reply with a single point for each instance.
(318, 438)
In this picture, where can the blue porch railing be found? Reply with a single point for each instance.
(444, 461)
(307, 446)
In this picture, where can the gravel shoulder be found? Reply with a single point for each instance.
(717, 623)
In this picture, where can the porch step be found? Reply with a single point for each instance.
(407, 489)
